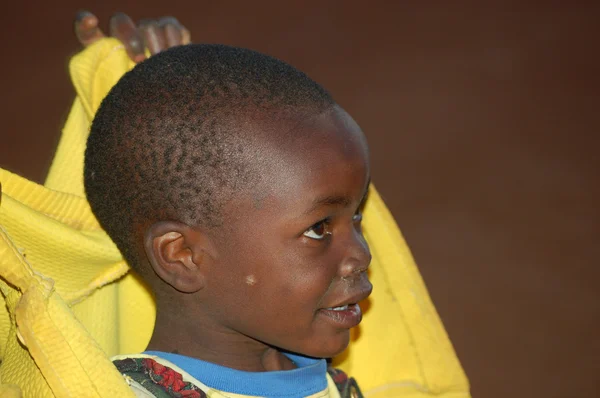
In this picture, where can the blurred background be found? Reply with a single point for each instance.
(483, 122)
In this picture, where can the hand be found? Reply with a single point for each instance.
(155, 35)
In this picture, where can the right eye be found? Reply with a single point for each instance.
(318, 231)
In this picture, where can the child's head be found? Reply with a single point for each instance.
(231, 182)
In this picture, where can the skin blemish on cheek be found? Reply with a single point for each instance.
(251, 280)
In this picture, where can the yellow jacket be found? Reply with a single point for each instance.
(71, 303)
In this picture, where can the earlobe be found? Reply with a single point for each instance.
(176, 253)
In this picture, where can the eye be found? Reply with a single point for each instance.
(357, 220)
(318, 231)
(358, 215)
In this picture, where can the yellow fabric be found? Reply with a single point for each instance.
(71, 303)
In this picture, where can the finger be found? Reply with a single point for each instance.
(123, 28)
(173, 31)
(154, 36)
(186, 37)
(86, 28)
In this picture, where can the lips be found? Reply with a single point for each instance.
(352, 299)
(342, 319)
(346, 313)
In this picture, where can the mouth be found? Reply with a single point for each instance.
(344, 317)
(346, 313)
(340, 308)
(352, 299)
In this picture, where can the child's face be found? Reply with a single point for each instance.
(293, 249)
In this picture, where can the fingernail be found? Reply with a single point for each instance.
(81, 14)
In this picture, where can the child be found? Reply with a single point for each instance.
(69, 300)
(232, 183)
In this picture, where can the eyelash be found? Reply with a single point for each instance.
(325, 223)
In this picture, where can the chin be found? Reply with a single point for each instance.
(328, 347)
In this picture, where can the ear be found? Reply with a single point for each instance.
(178, 254)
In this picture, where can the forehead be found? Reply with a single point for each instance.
(298, 140)
(308, 154)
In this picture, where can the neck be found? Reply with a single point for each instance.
(203, 340)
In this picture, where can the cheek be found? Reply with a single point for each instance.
(301, 278)
(274, 276)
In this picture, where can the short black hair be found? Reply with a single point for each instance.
(166, 142)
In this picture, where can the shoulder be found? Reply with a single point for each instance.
(150, 376)
(153, 377)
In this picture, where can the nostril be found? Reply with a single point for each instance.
(354, 274)
(360, 271)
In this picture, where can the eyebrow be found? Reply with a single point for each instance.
(333, 201)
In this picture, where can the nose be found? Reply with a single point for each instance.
(357, 256)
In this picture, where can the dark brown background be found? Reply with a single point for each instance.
(483, 123)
